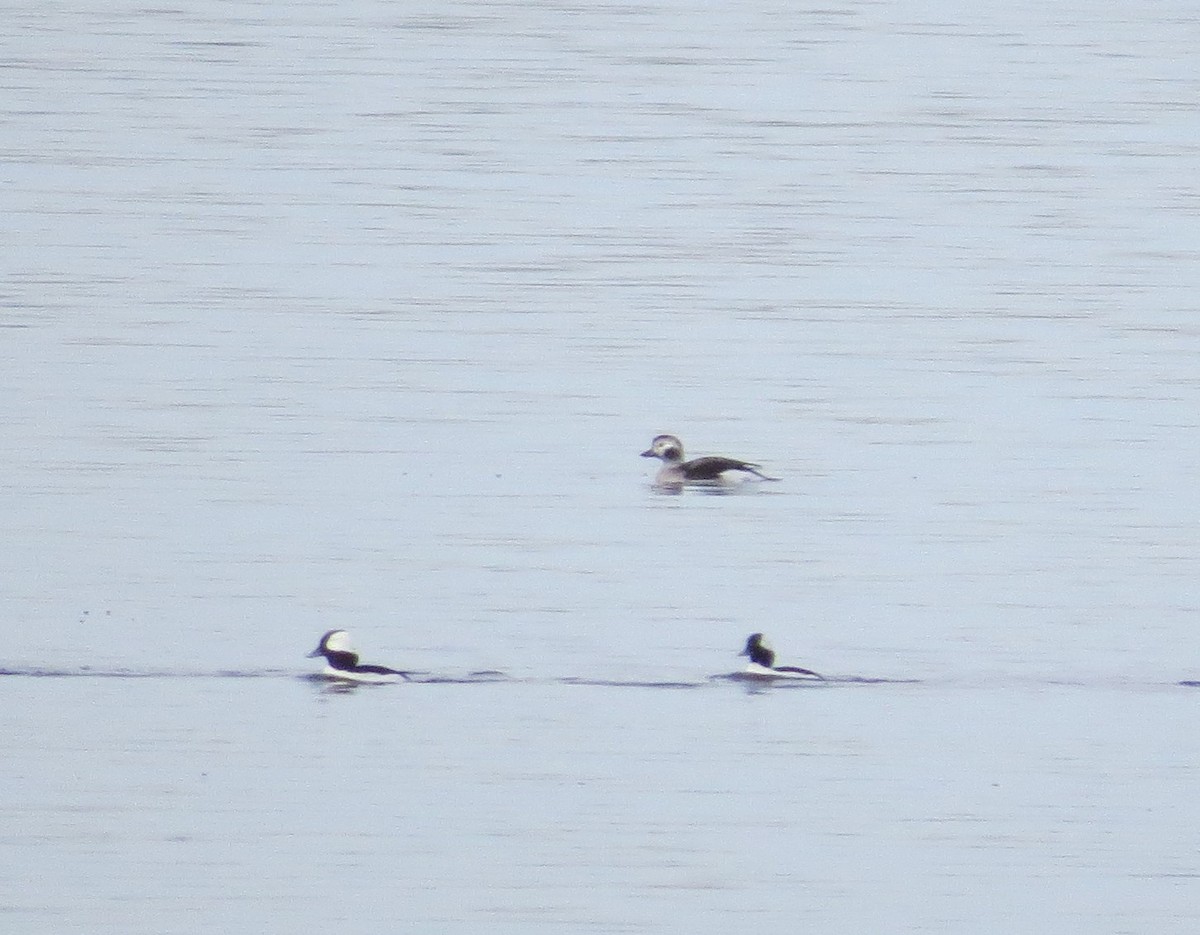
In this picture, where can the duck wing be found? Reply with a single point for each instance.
(382, 670)
(798, 671)
(713, 467)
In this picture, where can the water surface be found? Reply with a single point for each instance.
(350, 315)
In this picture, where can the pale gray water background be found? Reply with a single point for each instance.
(357, 315)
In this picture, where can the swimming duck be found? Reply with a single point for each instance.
(676, 472)
(762, 662)
(341, 662)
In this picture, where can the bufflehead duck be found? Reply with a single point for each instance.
(762, 662)
(676, 472)
(341, 662)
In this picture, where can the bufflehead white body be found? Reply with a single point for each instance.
(676, 472)
(341, 662)
(762, 663)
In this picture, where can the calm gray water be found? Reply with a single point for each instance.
(357, 315)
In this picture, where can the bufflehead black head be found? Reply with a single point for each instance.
(335, 641)
(762, 662)
(341, 662)
(758, 651)
(676, 472)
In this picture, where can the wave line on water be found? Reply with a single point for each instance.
(85, 672)
(626, 683)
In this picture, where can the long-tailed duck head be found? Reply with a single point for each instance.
(666, 447)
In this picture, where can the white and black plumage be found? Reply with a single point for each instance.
(341, 662)
(676, 472)
(762, 662)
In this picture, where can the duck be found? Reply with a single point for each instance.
(762, 663)
(676, 472)
(341, 662)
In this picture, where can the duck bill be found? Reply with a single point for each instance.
(313, 655)
(649, 453)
